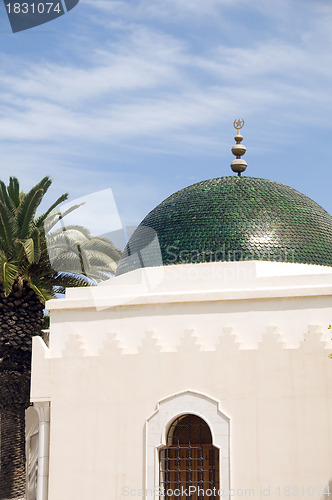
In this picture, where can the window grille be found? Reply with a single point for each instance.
(189, 460)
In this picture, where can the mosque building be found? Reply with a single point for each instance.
(202, 369)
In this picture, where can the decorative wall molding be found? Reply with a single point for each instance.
(74, 347)
(190, 341)
(112, 345)
(149, 344)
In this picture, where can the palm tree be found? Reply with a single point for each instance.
(36, 262)
(72, 249)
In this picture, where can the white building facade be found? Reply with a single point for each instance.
(242, 347)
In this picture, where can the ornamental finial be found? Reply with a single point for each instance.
(238, 165)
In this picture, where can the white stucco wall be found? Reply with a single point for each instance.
(251, 336)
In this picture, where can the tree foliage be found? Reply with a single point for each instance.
(38, 258)
(34, 251)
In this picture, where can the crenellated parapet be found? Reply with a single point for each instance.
(228, 342)
(229, 367)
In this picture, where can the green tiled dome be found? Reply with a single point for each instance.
(232, 219)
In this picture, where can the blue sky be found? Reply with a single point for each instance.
(140, 97)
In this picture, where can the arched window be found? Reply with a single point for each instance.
(189, 461)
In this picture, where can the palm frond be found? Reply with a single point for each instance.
(8, 273)
(67, 262)
(8, 228)
(31, 246)
(27, 210)
(41, 289)
(70, 280)
(71, 228)
(100, 259)
(35, 235)
(41, 219)
(104, 246)
(44, 184)
(67, 240)
(57, 216)
(14, 190)
(5, 198)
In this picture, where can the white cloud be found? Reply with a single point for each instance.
(147, 82)
(149, 88)
(165, 9)
(134, 65)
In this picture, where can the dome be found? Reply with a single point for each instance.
(232, 219)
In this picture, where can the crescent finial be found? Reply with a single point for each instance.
(238, 124)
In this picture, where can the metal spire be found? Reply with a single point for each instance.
(238, 165)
